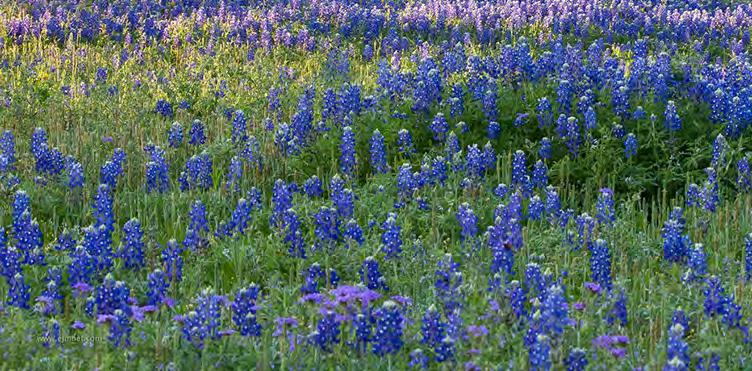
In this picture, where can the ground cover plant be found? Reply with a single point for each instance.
(340, 184)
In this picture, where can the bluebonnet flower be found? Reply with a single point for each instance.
(554, 312)
(133, 245)
(618, 310)
(468, 222)
(576, 360)
(108, 297)
(493, 131)
(639, 113)
(363, 331)
(51, 331)
(520, 120)
(433, 329)
(747, 255)
(197, 133)
(244, 310)
(344, 202)
(673, 121)
(744, 175)
(38, 141)
(545, 149)
(238, 134)
(391, 241)
(156, 291)
(378, 153)
(475, 163)
(251, 153)
(175, 135)
(240, 217)
(204, 320)
(605, 207)
(630, 146)
(564, 94)
(18, 292)
(312, 187)
(679, 317)
(82, 266)
(715, 297)
(281, 201)
(439, 127)
(234, 174)
(290, 223)
(545, 114)
(387, 338)
(75, 173)
(503, 253)
(405, 142)
(157, 172)
(698, 263)
(327, 227)
(573, 136)
(353, 233)
(197, 174)
(694, 196)
(675, 244)
(101, 77)
(312, 276)
(590, 119)
(489, 157)
(418, 359)
(709, 194)
(120, 329)
(519, 170)
(48, 161)
(540, 175)
(677, 352)
(371, 276)
(517, 298)
(710, 365)
(600, 264)
(198, 227)
(327, 331)
(539, 354)
(620, 100)
(347, 159)
(553, 203)
(173, 261)
(585, 226)
(8, 149)
(457, 101)
(103, 208)
(439, 168)
(445, 350)
(447, 284)
(405, 181)
(50, 302)
(719, 151)
(489, 101)
(112, 169)
(28, 235)
(164, 108)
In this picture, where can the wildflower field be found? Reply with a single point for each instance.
(372, 184)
